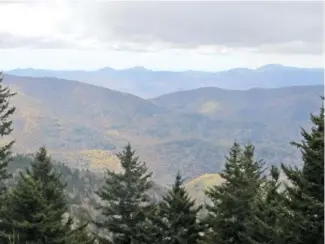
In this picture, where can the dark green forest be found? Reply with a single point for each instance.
(46, 202)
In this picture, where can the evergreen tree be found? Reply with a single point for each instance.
(305, 200)
(125, 200)
(6, 111)
(234, 201)
(176, 218)
(37, 205)
(268, 222)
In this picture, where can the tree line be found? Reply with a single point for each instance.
(251, 206)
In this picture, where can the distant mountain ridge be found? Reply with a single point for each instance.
(147, 83)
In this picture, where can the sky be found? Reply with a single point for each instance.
(166, 35)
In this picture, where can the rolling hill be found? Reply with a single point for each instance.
(84, 125)
(196, 187)
(148, 83)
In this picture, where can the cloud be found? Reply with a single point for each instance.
(12, 41)
(194, 24)
(9, 41)
(210, 27)
(295, 47)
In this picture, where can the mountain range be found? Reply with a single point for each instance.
(85, 125)
(149, 84)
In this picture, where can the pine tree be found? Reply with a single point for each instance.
(305, 200)
(6, 111)
(234, 201)
(268, 222)
(38, 205)
(176, 219)
(125, 200)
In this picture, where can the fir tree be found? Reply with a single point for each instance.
(37, 209)
(268, 222)
(6, 111)
(176, 218)
(233, 202)
(305, 200)
(125, 200)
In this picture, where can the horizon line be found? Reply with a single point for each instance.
(161, 70)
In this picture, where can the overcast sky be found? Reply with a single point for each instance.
(65, 34)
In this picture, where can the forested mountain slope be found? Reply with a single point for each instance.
(84, 125)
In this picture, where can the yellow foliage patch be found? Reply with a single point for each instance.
(209, 107)
(100, 159)
(205, 181)
(197, 186)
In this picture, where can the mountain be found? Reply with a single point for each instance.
(85, 125)
(252, 105)
(148, 84)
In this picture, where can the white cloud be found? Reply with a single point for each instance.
(36, 24)
(252, 25)
(30, 20)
